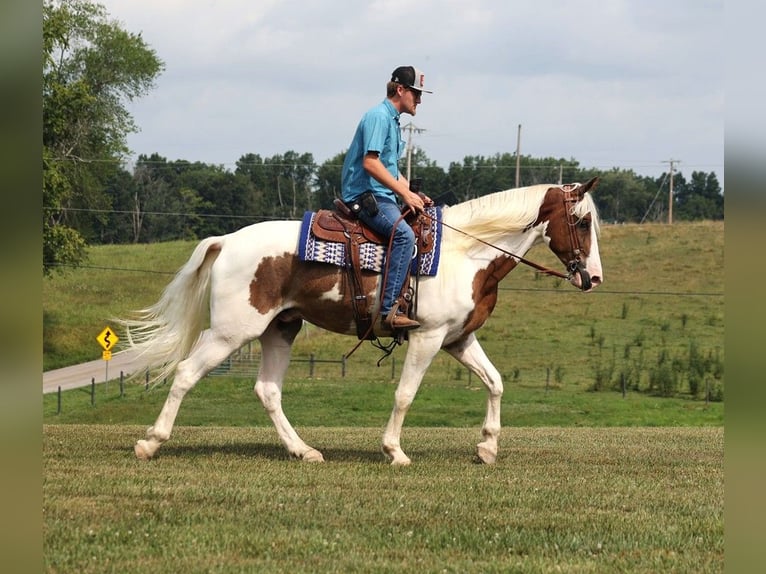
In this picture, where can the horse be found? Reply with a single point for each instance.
(254, 286)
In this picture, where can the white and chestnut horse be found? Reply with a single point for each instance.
(256, 287)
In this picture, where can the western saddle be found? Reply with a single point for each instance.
(341, 225)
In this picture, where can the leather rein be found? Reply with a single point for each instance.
(575, 265)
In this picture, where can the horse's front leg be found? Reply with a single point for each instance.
(469, 352)
(420, 352)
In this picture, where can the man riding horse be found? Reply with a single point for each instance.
(371, 183)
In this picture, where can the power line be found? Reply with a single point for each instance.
(648, 209)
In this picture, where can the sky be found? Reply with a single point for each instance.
(628, 84)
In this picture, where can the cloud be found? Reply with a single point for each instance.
(619, 84)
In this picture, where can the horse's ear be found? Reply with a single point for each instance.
(589, 185)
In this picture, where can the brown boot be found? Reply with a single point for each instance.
(400, 323)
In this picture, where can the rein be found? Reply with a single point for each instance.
(574, 266)
(540, 268)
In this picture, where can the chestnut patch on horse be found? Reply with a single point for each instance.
(316, 292)
(323, 295)
(267, 289)
(485, 291)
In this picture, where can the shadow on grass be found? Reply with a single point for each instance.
(267, 451)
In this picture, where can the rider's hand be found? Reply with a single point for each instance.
(427, 201)
(414, 201)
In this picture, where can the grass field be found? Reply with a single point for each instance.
(333, 402)
(229, 500)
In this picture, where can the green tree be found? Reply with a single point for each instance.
(435, 182)
(284, 182)
(622, 196)
(480, 175)
(251, 167)
(163, 209)
(123, 196)
(91, 68)
(699, 198)
(226, 198)
(327, 182)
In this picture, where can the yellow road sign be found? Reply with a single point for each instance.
(107, 339)
(106, 355)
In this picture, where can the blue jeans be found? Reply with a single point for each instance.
(402, 248)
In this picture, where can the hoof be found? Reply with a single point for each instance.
(397, 456)
(485, 455)
(142, 451)
(312, 455)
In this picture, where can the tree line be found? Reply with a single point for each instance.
(161, 199)
(91, 66)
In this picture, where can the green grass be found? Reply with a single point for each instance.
(333, 402)
(229, 500)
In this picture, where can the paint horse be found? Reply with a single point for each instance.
(256, 287)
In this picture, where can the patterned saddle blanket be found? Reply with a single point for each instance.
(319, 244)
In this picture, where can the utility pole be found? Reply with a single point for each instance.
(672, 163)
(411, 128)
(518, 155)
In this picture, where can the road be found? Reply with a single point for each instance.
(82, 375)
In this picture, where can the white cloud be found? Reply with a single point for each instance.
(624, 83)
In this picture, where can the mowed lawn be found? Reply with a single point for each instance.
(230, 500)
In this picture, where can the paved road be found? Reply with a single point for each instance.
(82, 375)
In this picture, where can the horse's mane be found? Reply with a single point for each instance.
(491, 216)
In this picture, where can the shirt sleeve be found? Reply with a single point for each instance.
(375, 132)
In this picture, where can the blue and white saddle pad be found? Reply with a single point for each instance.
(371, 255)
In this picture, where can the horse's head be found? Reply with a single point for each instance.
(572, 231)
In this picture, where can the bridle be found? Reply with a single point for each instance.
(574, 265)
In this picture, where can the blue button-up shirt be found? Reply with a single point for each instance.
(378, 131)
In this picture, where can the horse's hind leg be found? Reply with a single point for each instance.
(208, 353)
(469, 353)
(276, 345)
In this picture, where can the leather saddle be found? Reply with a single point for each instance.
(341, 225)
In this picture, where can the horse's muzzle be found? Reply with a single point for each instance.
(586, 283)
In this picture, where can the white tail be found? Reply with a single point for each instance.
(164, 333)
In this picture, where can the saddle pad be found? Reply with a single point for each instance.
(371, 255)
